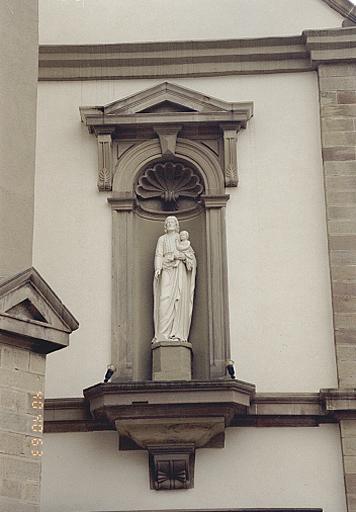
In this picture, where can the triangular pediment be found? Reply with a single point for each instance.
(27, 297)
(166, 93)
(165, 107)
(164, 103)
(27, 311)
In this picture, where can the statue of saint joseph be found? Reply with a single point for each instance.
(173, 284)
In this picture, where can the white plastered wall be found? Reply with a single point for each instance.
(266, 467)
(280, 305)
(113, 21)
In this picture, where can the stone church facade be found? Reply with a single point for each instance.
(237, 118)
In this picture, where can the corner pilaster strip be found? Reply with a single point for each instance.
(337, 84)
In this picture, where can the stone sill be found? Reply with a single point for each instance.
(265, 410)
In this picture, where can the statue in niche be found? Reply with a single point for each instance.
(174, 283)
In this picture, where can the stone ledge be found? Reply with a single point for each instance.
(199, 58)
(234, 510)
(265, 409)
(173, 59)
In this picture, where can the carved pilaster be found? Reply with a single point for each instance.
(105, 172)
(218, 299)
(230, 154)
(122, 206)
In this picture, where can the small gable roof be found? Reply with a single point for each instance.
(32, 315)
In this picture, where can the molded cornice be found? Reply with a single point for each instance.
(344, 7)
(32, 315)
(265, 410)
(178, 59)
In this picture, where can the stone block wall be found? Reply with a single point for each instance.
(22, 376)
(338, 119)
(337, 84)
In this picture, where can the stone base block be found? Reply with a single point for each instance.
(171, 360)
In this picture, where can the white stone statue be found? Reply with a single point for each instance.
(173, 285)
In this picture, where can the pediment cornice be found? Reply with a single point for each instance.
(165, 103)
(32, 315)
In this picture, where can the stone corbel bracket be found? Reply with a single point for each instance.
(105, 160)
(163, 111)
(170, 420)
(230, 131)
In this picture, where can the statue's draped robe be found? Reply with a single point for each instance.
(173, 290)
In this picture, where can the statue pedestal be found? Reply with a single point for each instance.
(171, 360)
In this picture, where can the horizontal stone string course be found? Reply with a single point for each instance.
(210, 58)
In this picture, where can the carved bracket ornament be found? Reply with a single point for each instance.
(170, 420)
(171, 466)
(169, 181)
(163, 112)
(230, 154)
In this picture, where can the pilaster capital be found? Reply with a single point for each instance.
(215, 201)
(122, 202)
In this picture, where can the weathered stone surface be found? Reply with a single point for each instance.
(11, 488)
(338, 70)
(12, 422)
(340, 83)
(12, 505)
(350, 480)
(344, 272)
(348, 428)
(30, 382)
(351, 501)
(339, 153)
(337, 183)
(344, 304)
(171, 361)
(350, 463)
(37, 363)
(11, 443)
(343, 257)
(341, 212)
(342, 242)
(337, 197)
(19, 469)
(346, 352)
(339, 138)
(340, 168)
(336, 124)
(344, 288)
(342, 227)
(31, 492)
(328, 98)
(345, 320)
(345, 336)
(14, 358)
(346, 97)
(347, 372)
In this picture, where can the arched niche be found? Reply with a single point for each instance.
(135, 233)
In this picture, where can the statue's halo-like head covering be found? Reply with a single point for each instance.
(171, 217)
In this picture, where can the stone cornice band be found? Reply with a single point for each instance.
(197, 58)
(266, 410)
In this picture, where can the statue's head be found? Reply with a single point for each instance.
(171, 224)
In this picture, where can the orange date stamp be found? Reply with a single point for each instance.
(37, 424)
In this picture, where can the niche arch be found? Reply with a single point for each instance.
(135, 233)
(194, 153)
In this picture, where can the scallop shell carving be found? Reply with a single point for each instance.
(169, 181)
